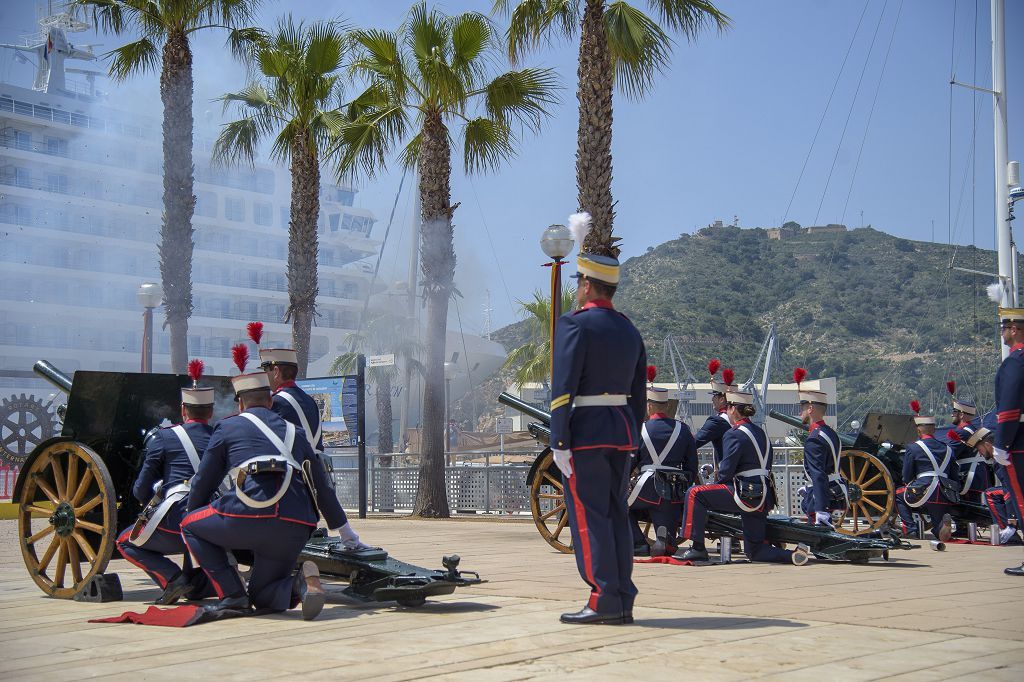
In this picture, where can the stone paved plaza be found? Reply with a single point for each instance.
(923, 616)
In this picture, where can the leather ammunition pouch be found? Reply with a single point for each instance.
(836, 495)
(751, 490)
(672, 486)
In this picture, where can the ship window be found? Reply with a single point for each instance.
(22, 140)
(262, 213)
(57, 182)
(22, 177)
(56, 146)
(234, 209)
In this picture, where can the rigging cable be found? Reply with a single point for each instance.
(380, 254)
(497, 261)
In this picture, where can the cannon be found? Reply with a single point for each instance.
(74, 492)
(872, 464)
(547, 506)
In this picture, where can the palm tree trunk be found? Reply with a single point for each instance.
(594, 137)
(438, 264)
(386, 499)
(302, 246)
(179, 203)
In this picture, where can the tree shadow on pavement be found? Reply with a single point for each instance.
(715, 622)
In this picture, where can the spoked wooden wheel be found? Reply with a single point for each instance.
(547, 504)
(66, 517)
(872, 494)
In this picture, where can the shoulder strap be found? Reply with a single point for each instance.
(658, 457)
(310, 436)
(284, 447)
(832, 447)
(190, 448)
(761, 456)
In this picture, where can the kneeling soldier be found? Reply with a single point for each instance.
(827, 491)
(668, 466)
(999, 498)
(928, 466)
(271, 510)
(172, 458)
(970, 466)
(743, 486)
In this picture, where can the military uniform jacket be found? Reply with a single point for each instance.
(967, 460)
(597, 351)
(916, 462)
(821, 449)
(682, 455)
(712, 431)
(309, 409)
(167, 460)
(739, 453)
(1009, 400)
(236, 440)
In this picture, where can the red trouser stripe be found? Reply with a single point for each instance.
(584, 533)
(691, 494)
(1015, 483)
(990, 496)
(124, 539)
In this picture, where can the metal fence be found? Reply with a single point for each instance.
(492, 482)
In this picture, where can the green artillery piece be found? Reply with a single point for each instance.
(547, 504)
(75, 492)
(872, 463)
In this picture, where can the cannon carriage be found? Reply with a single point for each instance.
(75, 494)
(547, 505)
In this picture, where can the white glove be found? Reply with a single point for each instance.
(1001, 456)
(349, 538)
(563, 460)
(823, 518)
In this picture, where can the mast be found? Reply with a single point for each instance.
(1004, 239)
(412, 310)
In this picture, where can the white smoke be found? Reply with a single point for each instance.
(995, 292)
(579, 225)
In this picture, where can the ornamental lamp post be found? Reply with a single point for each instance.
(556, 242)
(150, 296)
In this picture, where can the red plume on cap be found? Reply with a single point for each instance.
(713, 365)
(954, 436)
(255, 330)
(652, 372)
(951, 387)
(915, 406)
(727, 376)
(240, 356)
(195, 371)
(799, 374)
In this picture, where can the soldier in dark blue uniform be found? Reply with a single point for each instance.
(716, 425)
(599, 367)
(271, 509)
(743, 486)
(172, 458)
(929, 483)
(668, 466)
(999, 497)
(1008, 446)
(972, 471)
(827, 491)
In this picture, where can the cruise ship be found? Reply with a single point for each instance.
(80, 212)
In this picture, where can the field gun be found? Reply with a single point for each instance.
(75, 493)
(547, 506)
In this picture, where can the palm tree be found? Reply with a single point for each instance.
(423, 80)
(294, 99)
(531, 362)
(620, 46)
(166, 27)
(384, 333)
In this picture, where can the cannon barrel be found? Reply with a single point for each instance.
(53, 375)
(525, 407)
(540, 432)
(846, 440)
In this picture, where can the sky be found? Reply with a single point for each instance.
(787, 115)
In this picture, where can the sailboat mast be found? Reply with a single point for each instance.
(1004, 245)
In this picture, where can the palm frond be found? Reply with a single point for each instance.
(536, 22)
(325, 47)
(487, 142)
(639, 48)
(246, 43)
(364, 144)
(139, 57)
(345, 363)
(273, 62)
(410, 155)
(522, 96)
(427, 33)
(689, 17)
(472, 40)
(238, 140)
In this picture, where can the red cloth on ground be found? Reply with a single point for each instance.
(177, 617)
(662, 560)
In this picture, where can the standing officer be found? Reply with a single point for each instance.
(928, 468)
(271, 509)
(599, 367)
(717, 424)
(1008, 445)
(668, 466)
(172, 458)
(743, 486)
(294, 405)
(971, 469)
(827, 490)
